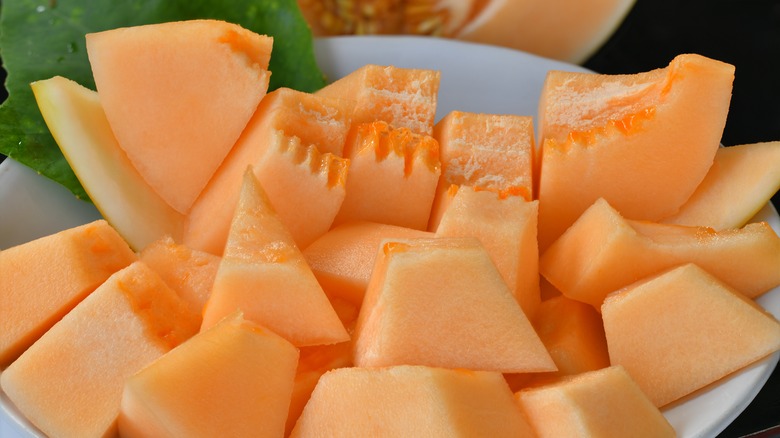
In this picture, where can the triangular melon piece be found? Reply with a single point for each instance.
(264, 274)
(740, 182)
(235, 379)
(407, 401)
(441, 302)
(682, 330)
(178, 95)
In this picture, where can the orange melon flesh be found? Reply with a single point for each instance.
(410, 401)
(402, 97)
(264, 275)
(441, 302)
(603, 252)
(682, 330)
(343, 258)
(235, 379)
(44, 279)
(506, 227)
(643, 142)
(178, 95)
(600, 403)
(76, 119)
(740, 182)
(490, 151)
(69, 383)
(290, 142)
(392, 176)
(190, 273)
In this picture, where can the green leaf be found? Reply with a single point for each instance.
(40, 39)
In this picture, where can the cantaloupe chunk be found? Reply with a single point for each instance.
(290, 142)
(603, 252)
(643, 142)
(573, 334)
(44, 279)
(402, 97)
(441, 302)
(178, 95)
(506, 227)
(411, 401)
(264, 275)
(682, 330)
(69, 383)
(601, 403)
(77, 122)
(190, 273)
(234, 379)
(492, 151)
(740, 182)
(393, 174)
(343, 258)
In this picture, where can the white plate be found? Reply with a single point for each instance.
(474, 78)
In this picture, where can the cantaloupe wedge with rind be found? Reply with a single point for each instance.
(684, 329)
(441, 302)
(741, 181)
(76, 119)
(264, 275)
(603, 252)
(69, 383)
(643, 142)
(292, 142)
(235, 379)
(178, 95)
(411, 401)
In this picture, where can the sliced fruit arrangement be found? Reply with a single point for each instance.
(347, 269)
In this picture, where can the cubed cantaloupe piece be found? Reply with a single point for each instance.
(292, 142)
(234, 379)
(506, 226)
(441, 302)
(492, 151)
(407, 401)
(683, 329)
(44, 279)
(402, 97)
(602, 252)
(392, 177)
(600, 403)
(263, 274)
(342, 259)
(69, 382)
(178, 95)
(641, 141)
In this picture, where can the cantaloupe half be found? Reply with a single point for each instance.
(76, 119)
(682, 330)
(603, 252)
(190, 273)
(234, 379)
(411, 401)
(643, 142)
(343, 258)
(740, 182)
(506, 227)
(178, 95)
(69, 383)
(441, 302)
(402, 97)
(292, 142)
(264, 275)
(44, 279)
(393, 174)
(491, 151)
(599, 403)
